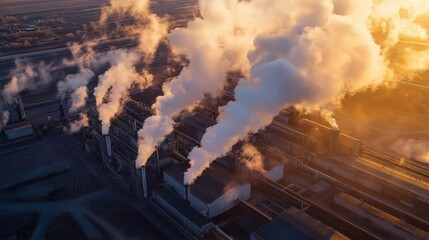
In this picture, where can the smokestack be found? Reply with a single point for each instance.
(62, 114)
(333, 141)
(20, 110)
(108, 145)
(144, 181)
(187, 192)
(135, 126)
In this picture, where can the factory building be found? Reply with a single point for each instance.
(295, 224)
(179, 212)
(213, 193)
(17, 126)
(290, 143)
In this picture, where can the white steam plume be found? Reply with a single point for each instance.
(77, 84)
(314, 59)
(252, 158)
(77, 125)
(214, 46)
(329, 117)
(393, 23)
(78, 98)
(150, 28)
(113, 86)
(417, 149)
(27, 76)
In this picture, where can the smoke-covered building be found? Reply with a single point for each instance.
(213, 193)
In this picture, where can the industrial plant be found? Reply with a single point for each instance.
(137, 132)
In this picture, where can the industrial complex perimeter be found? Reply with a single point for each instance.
(317, 181)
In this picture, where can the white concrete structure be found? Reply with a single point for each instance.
(274, 170)
(182, 214)
(213, 193)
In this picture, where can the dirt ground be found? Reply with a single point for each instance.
(51, 190)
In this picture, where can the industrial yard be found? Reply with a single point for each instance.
(357, 171)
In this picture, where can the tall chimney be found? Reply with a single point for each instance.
(144, 181)
(21, 110)
(135, 125)
(62, 113)
(187, 192)
(108, 145)
(333, 141)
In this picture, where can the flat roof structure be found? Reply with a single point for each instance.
(180, 205)
(212, 184)
(295, 224)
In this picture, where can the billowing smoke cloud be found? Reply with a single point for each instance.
(27, 76)
(150, 28)
(77, 125)
(396, 23)
(85, 58)
(416, 149)
(77, 84)
(318, 55)
(329, 117)
(215, 45)
(252, 158)
(113, 86)
(78, 98)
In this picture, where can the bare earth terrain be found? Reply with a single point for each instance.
(51, 190)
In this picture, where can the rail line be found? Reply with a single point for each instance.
(349, 229)
(419, 172)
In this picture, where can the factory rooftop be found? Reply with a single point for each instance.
(180, 205)
(296, 224)
(210, 185)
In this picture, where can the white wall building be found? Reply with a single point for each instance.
(213, 193)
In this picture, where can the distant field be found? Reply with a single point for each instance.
(17, 7)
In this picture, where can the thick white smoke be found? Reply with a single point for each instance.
(329, 117)
(27, 76)
(77, 85)
(252, 158)
(417, 149)
(113, 86)
(76, 126)
(396, 22)
(215, 45)
(151, 28)
(318, 55)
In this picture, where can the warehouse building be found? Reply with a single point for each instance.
(213, 193)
